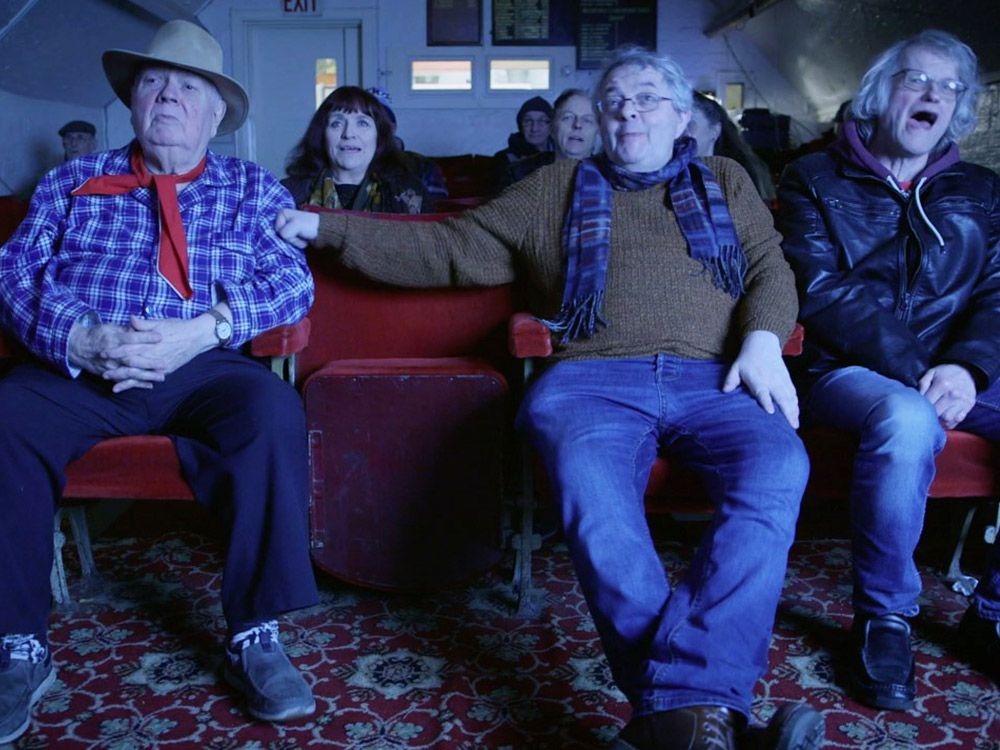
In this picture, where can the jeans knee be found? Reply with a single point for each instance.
(905, 423)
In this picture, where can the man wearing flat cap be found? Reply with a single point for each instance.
(134, 280)
(79, 138)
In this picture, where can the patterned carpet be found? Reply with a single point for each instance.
(138, 659)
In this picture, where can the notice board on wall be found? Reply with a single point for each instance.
(604, 25)
(454, 22)
(534, 22)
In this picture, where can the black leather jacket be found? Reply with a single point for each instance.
(891, 281)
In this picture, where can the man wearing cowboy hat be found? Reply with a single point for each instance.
(135, 278)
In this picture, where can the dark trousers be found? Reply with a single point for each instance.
(241, 439)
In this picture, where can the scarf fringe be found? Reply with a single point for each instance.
(728, 269)
(579, 317)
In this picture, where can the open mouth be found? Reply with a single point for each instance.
(925, 119)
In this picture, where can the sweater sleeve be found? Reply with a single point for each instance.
(770, 302)
(475, 248)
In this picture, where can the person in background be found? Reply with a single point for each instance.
(79, 138)
(349, 158)
(134, 281)
(429, 172)
(896, 246)
(534, 128)
(574, 133)
(717, 135)
(662, 280)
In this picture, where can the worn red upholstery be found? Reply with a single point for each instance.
(355, 318)
(12, 211)
(406, 409)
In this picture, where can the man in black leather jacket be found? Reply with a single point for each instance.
(895, 243)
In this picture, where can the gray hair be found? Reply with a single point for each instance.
(673, 75)
(872, 98)
(568, 94)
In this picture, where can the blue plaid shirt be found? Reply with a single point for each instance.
(98, 253)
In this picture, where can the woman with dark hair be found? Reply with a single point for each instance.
(349, 158)
(716, 135)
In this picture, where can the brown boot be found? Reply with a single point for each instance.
(688, 728)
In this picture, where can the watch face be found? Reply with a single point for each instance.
(224, 330)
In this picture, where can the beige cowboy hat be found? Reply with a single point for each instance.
(184, 45)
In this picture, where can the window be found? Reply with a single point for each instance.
(441, 75)
(734, 97)
(519, 75)
(326, 78)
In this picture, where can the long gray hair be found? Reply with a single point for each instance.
(872, 98)
(631, 54)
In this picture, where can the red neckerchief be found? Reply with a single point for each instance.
(173, 259)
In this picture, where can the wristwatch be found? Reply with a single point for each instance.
(223, 328)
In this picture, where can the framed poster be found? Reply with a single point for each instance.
(454, 22)
(604, 25)
(534, 22)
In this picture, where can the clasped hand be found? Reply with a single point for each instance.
(134, 356)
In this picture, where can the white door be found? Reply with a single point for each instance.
(282, 80)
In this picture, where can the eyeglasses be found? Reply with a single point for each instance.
(611, 104)
(918, 80)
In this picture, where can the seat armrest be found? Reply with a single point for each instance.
(793, 347)
(282, 341)
(528, 337)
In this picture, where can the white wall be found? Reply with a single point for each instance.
(479, 121)
(433, 123)
(29, 132)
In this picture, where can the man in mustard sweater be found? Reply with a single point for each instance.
(663, 281)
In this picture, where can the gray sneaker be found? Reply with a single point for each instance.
(26, 673)
(257, 666)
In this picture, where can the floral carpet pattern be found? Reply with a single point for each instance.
(138, 658)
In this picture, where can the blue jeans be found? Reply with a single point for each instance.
(598, 425)
(900, 438)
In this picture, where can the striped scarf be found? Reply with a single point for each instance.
(702, 215)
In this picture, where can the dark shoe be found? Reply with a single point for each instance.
(260, 670)
(794, 726)
(689, 728)
(979, 643)
(882, 668)
(26, 673)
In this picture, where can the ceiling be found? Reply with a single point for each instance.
(86, 29)
(821, 46)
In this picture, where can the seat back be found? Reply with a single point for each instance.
(355, 318)
(468, 175)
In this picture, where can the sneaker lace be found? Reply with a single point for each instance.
(23, 647)
(264, 633)
(714, 735)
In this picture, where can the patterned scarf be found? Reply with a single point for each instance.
(367, 198)
(702, 215)
(172, 261)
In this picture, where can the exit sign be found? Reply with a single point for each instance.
(300, 7)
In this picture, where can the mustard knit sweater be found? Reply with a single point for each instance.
(658, 299)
